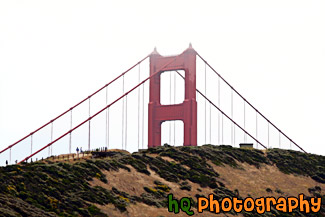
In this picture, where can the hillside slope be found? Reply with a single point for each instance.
(137, 184)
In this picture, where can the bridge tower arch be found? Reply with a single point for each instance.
(185, 111)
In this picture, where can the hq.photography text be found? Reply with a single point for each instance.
(259, 205)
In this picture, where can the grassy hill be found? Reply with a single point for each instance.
(137, 184)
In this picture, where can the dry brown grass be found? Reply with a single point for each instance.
(254, 181)
(248, 181)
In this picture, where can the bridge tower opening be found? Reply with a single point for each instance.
(185, 111)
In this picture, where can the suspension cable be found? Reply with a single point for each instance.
(231, 120)
(108, 128)
(70, 139)
(126, 121)
(85, 99)
(268, 134)
(219, 112)
(222, 129)
(31, 143)
(210, 124)
(88, 126)
(205, 104)
(51, 147)
(279, 139)
(256, 130)
(85, 121)
(123, 99)
(143, 116)
(224, 114)
(249, 102)
(139, 110)
(232, 114)
(245, 137)
(170, 102)
(174, 107)
(234, 126)
(107, 124)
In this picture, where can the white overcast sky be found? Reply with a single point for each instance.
(55, 53)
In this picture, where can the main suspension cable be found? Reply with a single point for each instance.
(249, 103)
(121, 97)
(224, 114)
(85, 99)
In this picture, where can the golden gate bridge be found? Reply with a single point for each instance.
(128, 113)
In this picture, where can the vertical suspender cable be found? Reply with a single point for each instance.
(108, 127)
(170, 102)
(10, 156)
(70, 139)
(210, 123)
(123, 113)
(268, 134)
(209, 119)
(126, 121)
(139, 109)
(218, 112)
(89, 126)
(245, 121)
(205, 104)
(143, 115)
(256, 129)
(174, 107)
(51, 149)
(232, 114)
(279, 139)
(234, 126)
(31, 143)
(222, 128)
(107, 120)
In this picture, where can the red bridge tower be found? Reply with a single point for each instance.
(186, 111)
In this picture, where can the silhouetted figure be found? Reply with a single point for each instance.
(16, 161)
(6, 162)
(77, 150)
(80, 149)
